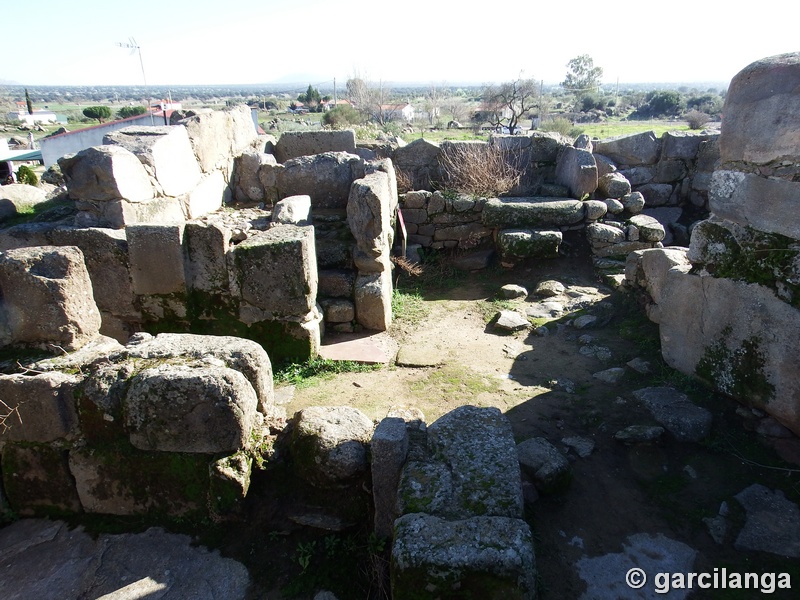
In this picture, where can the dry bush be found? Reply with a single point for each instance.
(404, 183)
(696, 119)
(478, 169)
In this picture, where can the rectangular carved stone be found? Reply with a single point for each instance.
(277, 270)
(42, 408)
(156, 255)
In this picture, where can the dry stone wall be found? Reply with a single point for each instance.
(627, 194)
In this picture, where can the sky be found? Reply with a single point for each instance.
(443, 42)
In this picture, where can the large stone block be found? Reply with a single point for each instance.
(748, 199)
(762, 112)
(37, 481)
(18, 196)
(277, 271)
(577, 171)
(207, 247)
(208, 196)
(683, 145)
(197, 409)
(328, 444)
(165, 152)
(485, 482)
(47, 298)
(373, 300)
(389, 449)
(157, 261)
(239, 354)
(248, 187)
(325, 177)
(478, 557)
(369, 215)
(739, 337)
(125, 481)
(219, 136)
(120, 213)
(105, 252)
(103, 173)
(514, 244)
(532, 212)
(631, 150)
(294, 144)
(39, 408)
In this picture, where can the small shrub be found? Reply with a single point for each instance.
(342, 116)
(26, 175)
(478, 169)
(697, 119)
(562, 126)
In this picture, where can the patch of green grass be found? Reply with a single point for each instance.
(316, 370)
(38, 212)
(408, 305)
(452, 381)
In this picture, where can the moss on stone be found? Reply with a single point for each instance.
(768, 259)
(738, 372)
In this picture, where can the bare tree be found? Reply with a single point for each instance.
(369, 99)
(507, 103)
(457, 109)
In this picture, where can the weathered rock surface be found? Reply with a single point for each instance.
(104, 173)
(152, 564)
(389, 449)
(532, 212)
(325, 177)
(294, 210)
(294, 144)
(278, 270)
(16, 196)
(166, 153)
(210, 409)
(757, 94)
(515, 244)
(631, 150)
(41, 408)
(577, 171)
(47, 298)
(773, 522)
(328, 444)
(544, 464)
(673, 409)
(481, 557)
(219, 136)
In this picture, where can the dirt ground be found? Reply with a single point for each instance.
(545, 386)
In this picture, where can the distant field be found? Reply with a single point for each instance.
(604, 130)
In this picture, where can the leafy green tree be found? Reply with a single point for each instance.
(130, 111)
(342, 116)
(311, 98)
(97, 112)
(582, 75)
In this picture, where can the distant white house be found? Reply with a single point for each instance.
(39, 115)
(398, 112)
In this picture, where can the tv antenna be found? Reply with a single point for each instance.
(134, 48)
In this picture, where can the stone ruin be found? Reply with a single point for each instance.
(169, 240)
(728, 306)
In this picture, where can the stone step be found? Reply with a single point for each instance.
(534, 211)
